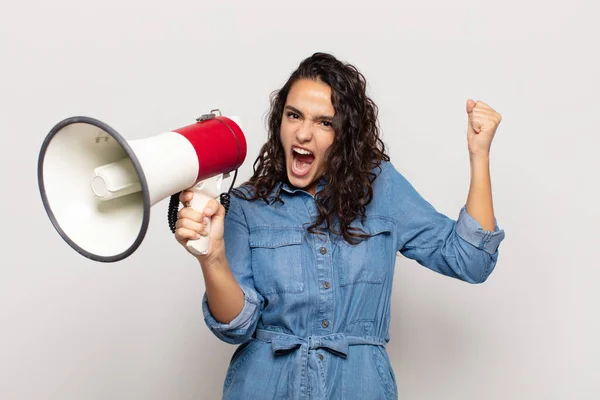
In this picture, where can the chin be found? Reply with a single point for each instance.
(300, 183)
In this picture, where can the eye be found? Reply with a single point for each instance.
(293, 115)
(327, 124)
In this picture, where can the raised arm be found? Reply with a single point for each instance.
(483, 122)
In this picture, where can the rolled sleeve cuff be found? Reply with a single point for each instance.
(471, 231)
(242, 322)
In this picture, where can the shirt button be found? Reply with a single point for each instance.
(321, 357)
(325, 323)
(323, 250)
(326, 285)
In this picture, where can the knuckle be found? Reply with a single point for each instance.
(182, 213)
(194, 216)
(183, 234)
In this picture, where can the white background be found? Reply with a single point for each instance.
(71, 328)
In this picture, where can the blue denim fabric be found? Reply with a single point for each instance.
(317, 309)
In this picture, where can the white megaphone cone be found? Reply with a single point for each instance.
(97, 188)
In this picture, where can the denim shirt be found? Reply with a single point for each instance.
(317, 310)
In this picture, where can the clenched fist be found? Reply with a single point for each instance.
(482, 124)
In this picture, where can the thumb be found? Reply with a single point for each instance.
(213, 209)
(216, 213)
(471, 127)
(470, 106)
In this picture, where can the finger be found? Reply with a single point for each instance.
(186, 196)
(192, 225)
(484, 110)
(213, 208)
(486, 115)
(487, 120)
(481, 104)
(184, 234)
(190, 213)
(489, 113)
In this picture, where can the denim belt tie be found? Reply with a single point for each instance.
(335, 343)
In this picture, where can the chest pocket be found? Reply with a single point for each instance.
(370, 261)
(277, 260)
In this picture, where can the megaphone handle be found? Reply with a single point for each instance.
(199, 246)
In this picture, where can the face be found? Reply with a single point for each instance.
(307, 132)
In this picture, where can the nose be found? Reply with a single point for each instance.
(304, 132)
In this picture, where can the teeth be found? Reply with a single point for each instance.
(301, 151)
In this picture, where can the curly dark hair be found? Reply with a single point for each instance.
(356, 151)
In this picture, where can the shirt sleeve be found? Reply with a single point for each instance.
(459, 248)
(236, 236)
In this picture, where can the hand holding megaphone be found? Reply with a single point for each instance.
(200, 230)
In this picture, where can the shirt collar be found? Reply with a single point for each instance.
(290, 189)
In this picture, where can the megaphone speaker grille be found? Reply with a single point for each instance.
(99, 229)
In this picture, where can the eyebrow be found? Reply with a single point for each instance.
(319, 117)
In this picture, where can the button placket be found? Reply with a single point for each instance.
(323, 251)
(326, 300)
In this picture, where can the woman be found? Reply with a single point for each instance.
(299, 273)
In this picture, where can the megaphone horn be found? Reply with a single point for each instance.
(98, 188)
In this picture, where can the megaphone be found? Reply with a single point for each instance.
(98, 188)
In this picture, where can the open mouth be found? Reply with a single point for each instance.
(302, 161)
